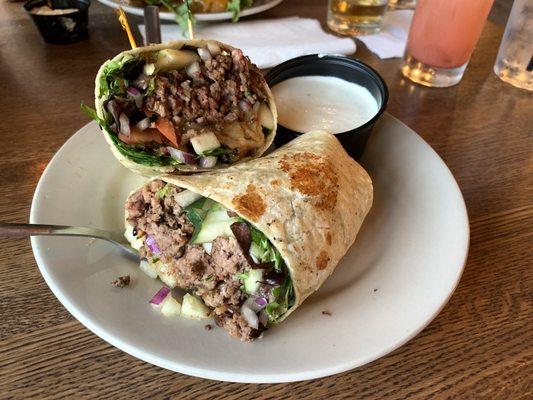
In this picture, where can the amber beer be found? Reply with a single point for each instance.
(356, 17)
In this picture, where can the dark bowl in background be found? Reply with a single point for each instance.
(61, 29)
(354, 140)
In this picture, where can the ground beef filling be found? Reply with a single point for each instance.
(189, 266)
(226, 88)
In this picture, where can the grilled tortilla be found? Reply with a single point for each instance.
(308, 198)
(184, 107)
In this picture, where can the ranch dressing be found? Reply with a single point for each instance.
(307, 103)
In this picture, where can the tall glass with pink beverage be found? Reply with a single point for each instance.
(442, 37)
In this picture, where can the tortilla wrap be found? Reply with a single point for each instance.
(309, 198)
(157, 170)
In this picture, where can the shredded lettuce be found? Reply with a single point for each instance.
(161, 193)
(196, 213)
(235, 6)
(117, 74)
(283, 295)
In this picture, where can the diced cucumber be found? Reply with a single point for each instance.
(170, 59)
(135, 243)
(216, 215)
(204, 142)
(170, 307)
(207, 247)
(186, 198)
(148, 268)
(265, 117)
(210, 231)
(256, 252)
(193, 307)
(128, 234)
(253, 280)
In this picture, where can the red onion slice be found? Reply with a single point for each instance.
(250, 316)
(208, 162)
(184, 157)
(124, 124)
(160, 296)
(261, 302)
(137, 96)
(252, 304)
(152, 245)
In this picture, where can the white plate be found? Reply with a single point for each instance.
(401, 271)
(258, 7)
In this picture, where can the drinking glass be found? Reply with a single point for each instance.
(442, 37)
(514, 63)
(401, 4)
(356, 17)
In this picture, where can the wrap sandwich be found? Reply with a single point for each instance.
(253, 241)
(183, 107)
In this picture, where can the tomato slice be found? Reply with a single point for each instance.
(166, 128)
(141, 137)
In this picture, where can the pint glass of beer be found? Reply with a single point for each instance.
(356, 17)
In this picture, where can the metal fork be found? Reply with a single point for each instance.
(25, 230)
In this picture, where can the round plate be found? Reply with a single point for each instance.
(258, 7)
(402, 270)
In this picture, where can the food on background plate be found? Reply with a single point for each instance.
(251, 242)
(183, 107)
(196, 6)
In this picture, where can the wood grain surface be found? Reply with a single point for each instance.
(479, 347)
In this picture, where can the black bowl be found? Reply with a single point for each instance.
(354, 140)
(61, 29)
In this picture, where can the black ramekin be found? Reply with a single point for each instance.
(61, 29)
(354, 141)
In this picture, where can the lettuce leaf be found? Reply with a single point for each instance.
(235, 6)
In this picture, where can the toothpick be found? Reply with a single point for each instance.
(126, 26)
(189, 21)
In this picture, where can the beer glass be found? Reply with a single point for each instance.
(514, 63)
(441, 39)
(356, 17)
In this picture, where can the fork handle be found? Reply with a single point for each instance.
(24, 230)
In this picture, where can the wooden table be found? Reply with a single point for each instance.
(481, 344)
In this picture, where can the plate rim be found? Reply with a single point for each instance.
(202, 17)
(236, 377)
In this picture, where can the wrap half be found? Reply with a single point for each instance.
(184, 107)
(259, 236)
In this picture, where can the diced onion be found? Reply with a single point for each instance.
(152, 245)
(193, 70)
(143, 124)
(184, 157)
(136, 96)
(251, 303)
(208, 162)
(250, 316)
(124, 122)
(204, 54)
(214, 48)
(160, 296)
(261, 301)
(245, 106)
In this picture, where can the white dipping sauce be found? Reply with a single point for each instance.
(307, 103)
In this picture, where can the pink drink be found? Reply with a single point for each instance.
(444, 32)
